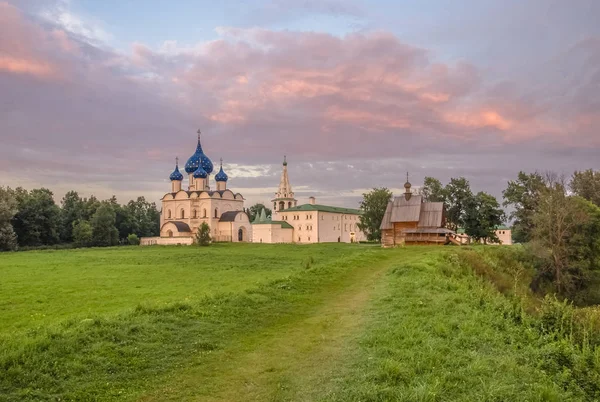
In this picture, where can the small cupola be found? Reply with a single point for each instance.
(221, 178)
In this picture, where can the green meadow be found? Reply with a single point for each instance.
(326, 322)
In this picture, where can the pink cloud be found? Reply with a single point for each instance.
(28, 49)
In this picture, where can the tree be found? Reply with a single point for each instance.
(133, 240)
(432, 190)
(8, 209)
(556, 220)
(82, 233)
(457, 195)
(72, 209)
(255, 210)
(373, 206)
(37, 220)
(203, 235)
(104, 232)
(586, 184)
(142, 218)
(482, 215)
(523, 195)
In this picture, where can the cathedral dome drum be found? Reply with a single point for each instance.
(221, 176)
(176, 175)
(199, 159)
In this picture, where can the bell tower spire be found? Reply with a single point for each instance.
(284, 198)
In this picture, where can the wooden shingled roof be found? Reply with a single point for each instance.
(413, 209)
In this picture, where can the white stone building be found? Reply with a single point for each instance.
(307, 223)
(183, 211)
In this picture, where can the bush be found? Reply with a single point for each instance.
(133, 240)
(82, 233)
(203, 235)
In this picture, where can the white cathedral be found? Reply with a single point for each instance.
(184, 211)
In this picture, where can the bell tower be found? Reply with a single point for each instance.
(284, 198)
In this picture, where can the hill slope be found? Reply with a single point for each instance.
(341, 323)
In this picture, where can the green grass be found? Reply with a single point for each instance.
(39, 288)
(328, 322)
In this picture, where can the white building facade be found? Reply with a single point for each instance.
(307, 223)
(184, 211)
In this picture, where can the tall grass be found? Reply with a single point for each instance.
(567, 337)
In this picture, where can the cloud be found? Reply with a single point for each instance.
(351, 112)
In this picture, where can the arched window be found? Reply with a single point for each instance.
(204, 213)
(195, 214)
(281, 205)
(275, 206)
(169, 233)
(182, 214)
(216, 213)
(168, 214)
(289, 204)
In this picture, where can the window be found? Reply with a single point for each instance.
(170, 233)
(182, 214)
(169, 214)
(195, 214)
(289, 204)
(216, 213)
(309, 239)
(299, 227)
(345, 227)
(322, 217)
(299, 239)
(204, 213)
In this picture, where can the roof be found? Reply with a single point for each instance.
(229, 216)
(404, 210)
(432, 215)
(283, 224)
(428, 230)
(181, 226)
(323, 208)
(209, 192)
(426, 214)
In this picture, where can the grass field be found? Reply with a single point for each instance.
(330, 322)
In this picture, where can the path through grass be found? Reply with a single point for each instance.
(337, 323)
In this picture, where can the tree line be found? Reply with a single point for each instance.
(30, 219)
(557, 219)
(479, 214)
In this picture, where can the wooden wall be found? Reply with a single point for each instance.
(397, 237)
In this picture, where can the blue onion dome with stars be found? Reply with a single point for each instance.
(221, 176)
(176, 175)
(199, 158)
(200, 173)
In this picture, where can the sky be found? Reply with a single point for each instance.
(101, 96)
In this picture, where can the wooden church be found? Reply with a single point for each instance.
(409, 220)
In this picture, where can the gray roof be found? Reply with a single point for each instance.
(405, 210)
(181, 226)
(229, 216)
(425, 214)
(428, 230)
(386, 223)
(432, 215)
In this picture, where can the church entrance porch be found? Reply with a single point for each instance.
(242, 234)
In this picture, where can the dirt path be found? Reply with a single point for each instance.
(298, 361)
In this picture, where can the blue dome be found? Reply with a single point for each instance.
(176, 175)
(200, 173)
(199, 158)
(221, 176)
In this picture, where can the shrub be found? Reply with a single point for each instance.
(203, 235)
(133, 240)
